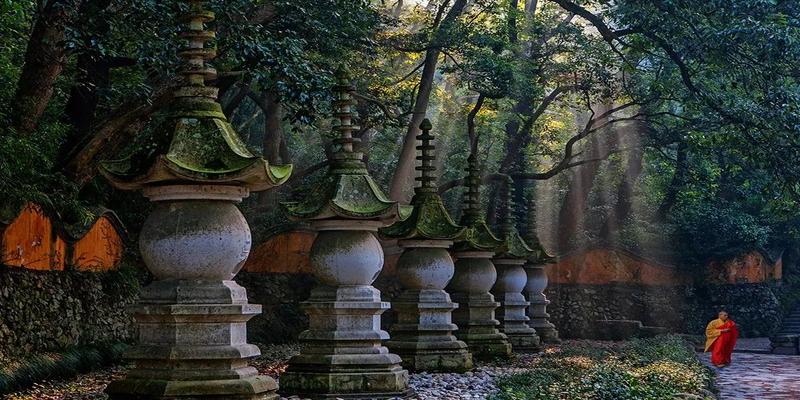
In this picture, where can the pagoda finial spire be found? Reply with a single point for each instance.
(348, 191)
(193, 29)
(426, 157)
(509, 219)
(472, 196)
(343, 111)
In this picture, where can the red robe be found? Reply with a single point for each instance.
(722, 347)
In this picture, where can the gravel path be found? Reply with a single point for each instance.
(476, 385)
(758, 377)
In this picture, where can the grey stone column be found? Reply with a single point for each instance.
(512, 311)
(342, 354)
(477, 327)
(534, 290)
(423, 334)
(192, 336)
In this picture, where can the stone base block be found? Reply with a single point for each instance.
(252, 388)
(445, 362)
(353, 384)
(433, 356)
(548, 335)
(486, 345)
(786, 351)
(785, 344)
(192, 344)
(525, 343)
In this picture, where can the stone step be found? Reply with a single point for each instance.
(791, 328)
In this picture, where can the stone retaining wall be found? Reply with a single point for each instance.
(52, 310)
(682, 309)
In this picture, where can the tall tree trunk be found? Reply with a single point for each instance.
(93, 76)
(45, 57)
(677, 182)
(403, 179)
(573, 209)
(624, 205)
(273, 139)
(273, 132)
(530, 6)
(531, 223)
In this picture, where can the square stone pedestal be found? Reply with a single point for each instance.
(422, 335)
(193, 345)
(342, 355)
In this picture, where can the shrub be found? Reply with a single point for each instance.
(23, 373)
(643, 369)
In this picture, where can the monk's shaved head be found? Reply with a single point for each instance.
(723, 315)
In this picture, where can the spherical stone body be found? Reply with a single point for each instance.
(425, 268)
(341, 257)
(512, 278)
(537, 279)
(474, 275)
(195, 240)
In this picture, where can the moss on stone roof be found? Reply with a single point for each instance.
(478, 236)
(429, 218)
(347, 190)
(199, 145)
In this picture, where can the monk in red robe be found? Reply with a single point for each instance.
(721, 335)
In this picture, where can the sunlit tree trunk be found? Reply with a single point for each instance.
(573, 209)
(623, 207)
(403, 178)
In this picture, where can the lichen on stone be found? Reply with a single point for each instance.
(347, 190)
(514, 245)
(478, 236)
(429, 218)
(199, 145)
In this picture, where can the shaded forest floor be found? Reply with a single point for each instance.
(478, 384)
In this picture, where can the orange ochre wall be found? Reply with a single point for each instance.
(603, 266)
(752, 267)
(100, 249)
(282, 253)
(31, 241)
(288, 253)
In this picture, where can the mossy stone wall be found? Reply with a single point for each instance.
(683, 309)
(43, 311)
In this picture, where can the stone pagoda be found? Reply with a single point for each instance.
(342, 355)
(192, 333)
(475, 275)
(511, 281)
(423, 333)
(534, 292)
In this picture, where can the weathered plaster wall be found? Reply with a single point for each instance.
(752, 267)
(611, 266)
(51, 310)
(36, 241)
(593, 284)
